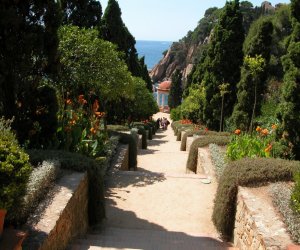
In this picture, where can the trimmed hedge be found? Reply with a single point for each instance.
(202, 142)
(200, 132)
(95, 168)
(246, 172)
(145, 126)
(118, 128)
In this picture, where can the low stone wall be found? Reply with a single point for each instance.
(121, 159)
(257, 224)
(204, 163)
(63, 217)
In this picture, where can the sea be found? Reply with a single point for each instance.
(152, 50)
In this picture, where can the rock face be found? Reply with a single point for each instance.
(179, 56)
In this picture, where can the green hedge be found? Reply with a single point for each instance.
(199, 132)
(246, 172)
(145, 126)
(202, 142)
(95, 168)
(118, 128)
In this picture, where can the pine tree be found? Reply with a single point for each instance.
(82, 13)
(289, 115)
(175, 95)
(251, 87)
(145, 74)
(222, 64)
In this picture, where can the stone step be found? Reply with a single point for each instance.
(118, 238)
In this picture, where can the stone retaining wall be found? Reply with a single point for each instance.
(257, 224)
(204, 163)
(63, 217)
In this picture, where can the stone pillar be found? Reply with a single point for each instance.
(157, 98)
(163, 101)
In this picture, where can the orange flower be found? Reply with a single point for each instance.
(95, 106)
(72, 122)
(81, 100)
(268, 149)
(274, 126)
(99, 114)
(69, 102)
(93, 130)
(258, 129)
(265, 132)
(237, 131)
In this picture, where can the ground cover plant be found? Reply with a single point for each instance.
(281, 195)
(218, 158)
(203, 142)
(246, 172)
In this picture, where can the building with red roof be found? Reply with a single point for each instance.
(162, 95)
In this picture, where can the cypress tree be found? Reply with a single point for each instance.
(28, 56)
(82, 13)
(258, 42)
(114, 30)
(175, 95)
(289, 115)
(222, 64)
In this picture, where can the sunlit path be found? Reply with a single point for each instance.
(158, 206)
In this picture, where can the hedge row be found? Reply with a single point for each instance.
(202, 142)
(200, 132)
(248, 172)
(95, 169)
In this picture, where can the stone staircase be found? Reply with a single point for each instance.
(125, 238)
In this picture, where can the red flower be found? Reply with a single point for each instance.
(237, 131)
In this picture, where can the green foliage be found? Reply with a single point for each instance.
(175, 114)
(250, 145)
(28, 55)
(252, 85)
(202, 142)
(117, 128)
(175, 95)
(84, 14)
(246, 172)
(95, 168)
(90, 64)
(14, 169)
(222, 63)
(288, 115)
(295, 198)
(40, 181)
(192, 106)
(281, 195)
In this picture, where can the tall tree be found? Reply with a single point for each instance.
(289, 115)
(28, 53)
(175, 95)
(222, 63)
(253, 84)
(82, 13)
(114, 30)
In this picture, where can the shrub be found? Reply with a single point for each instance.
(296, 194)
(218, 159)
(40, 180)
(118, 128)
(202, 142)
(176, 114)
(245, 172)
(281, 195)
(146, 127)
(95, 169)
(14, 169)
(199, 132)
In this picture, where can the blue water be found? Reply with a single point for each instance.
(152, 50)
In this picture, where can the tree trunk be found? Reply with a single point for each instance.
(254, 108)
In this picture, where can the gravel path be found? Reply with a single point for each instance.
(159, 206)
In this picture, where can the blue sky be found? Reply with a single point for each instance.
(167, 20)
